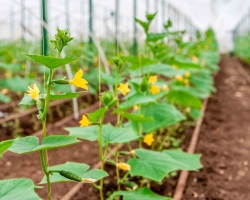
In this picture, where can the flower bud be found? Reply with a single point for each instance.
(61, 82)
(108, 99)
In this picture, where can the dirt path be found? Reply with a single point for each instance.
(224, 141)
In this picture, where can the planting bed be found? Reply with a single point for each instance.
(224, 140)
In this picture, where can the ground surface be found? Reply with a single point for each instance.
(224, 141)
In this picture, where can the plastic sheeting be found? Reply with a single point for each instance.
(222, 15)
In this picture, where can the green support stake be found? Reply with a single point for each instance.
(67, 20)
(44, 31)
(134, 50)
(23, 20)
(117, 11)
(90, 21)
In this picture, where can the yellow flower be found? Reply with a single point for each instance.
(179, 77)
(135, 107)
(123, 166)
(195, 59)
(188, 109)
(149, 139)
(132, 152)
(186, 81)
(85, 121)
(165, 87)
(155, 89)
(4, 91)
(88, 180)
(33, 92)
(187, 74)
(203, 63)
(152, 79)
(78, 81)
(123, 88)
(8, 74)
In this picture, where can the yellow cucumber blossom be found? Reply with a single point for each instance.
(123, 166)
(4, 91)
(85, 121)
(135, 107)
(149, 139)
(187, 74)
(123, 88)
(78, 81)
(165, 87)
(179, 77)
(132, 152)
(34, 92)
(186, 81)
(195, 59)
(155, 89)
(152, 79)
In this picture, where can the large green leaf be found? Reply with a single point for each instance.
(51, 62)
(67, 95)
(139, 194)
(110, 134)
(79, 169)
(16, 189)
(157, 165)
(153, 37)
(162, 69)
(164, 114)
(186, 64)
(31, 143)
(27, 100)
(136, 99)
(183, 98)
(136, 117)
(5, 145)
(195, 113)
(4, 98)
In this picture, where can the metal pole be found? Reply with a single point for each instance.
(147, 6)
(135, 28)
(44, 31)
(23, 20)
(90, 21)
(67, 14)
(82, 14)
(117, 11)
(12, 24)
(163, 13)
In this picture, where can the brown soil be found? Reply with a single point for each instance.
(224, 141)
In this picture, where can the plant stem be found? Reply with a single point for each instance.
(117, 169)
(101, 154)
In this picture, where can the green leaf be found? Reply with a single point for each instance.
(157, 165)
(51, 62)
(153, 37)
(27, 100)
(14, 189)
(109, 79)
(161, 69)
(139, 194)
(67, 95)
(4, 98)
(136, 118)
(195, 113)
(136, 99)
(76, 168)
(96, 115)
(186, 64)
(31, 143)
(183, 98)
(5, 145)
(164, 114)
(110, 134)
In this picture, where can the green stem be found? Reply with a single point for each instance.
(117, 169)
(101, 154)
(124, 177)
